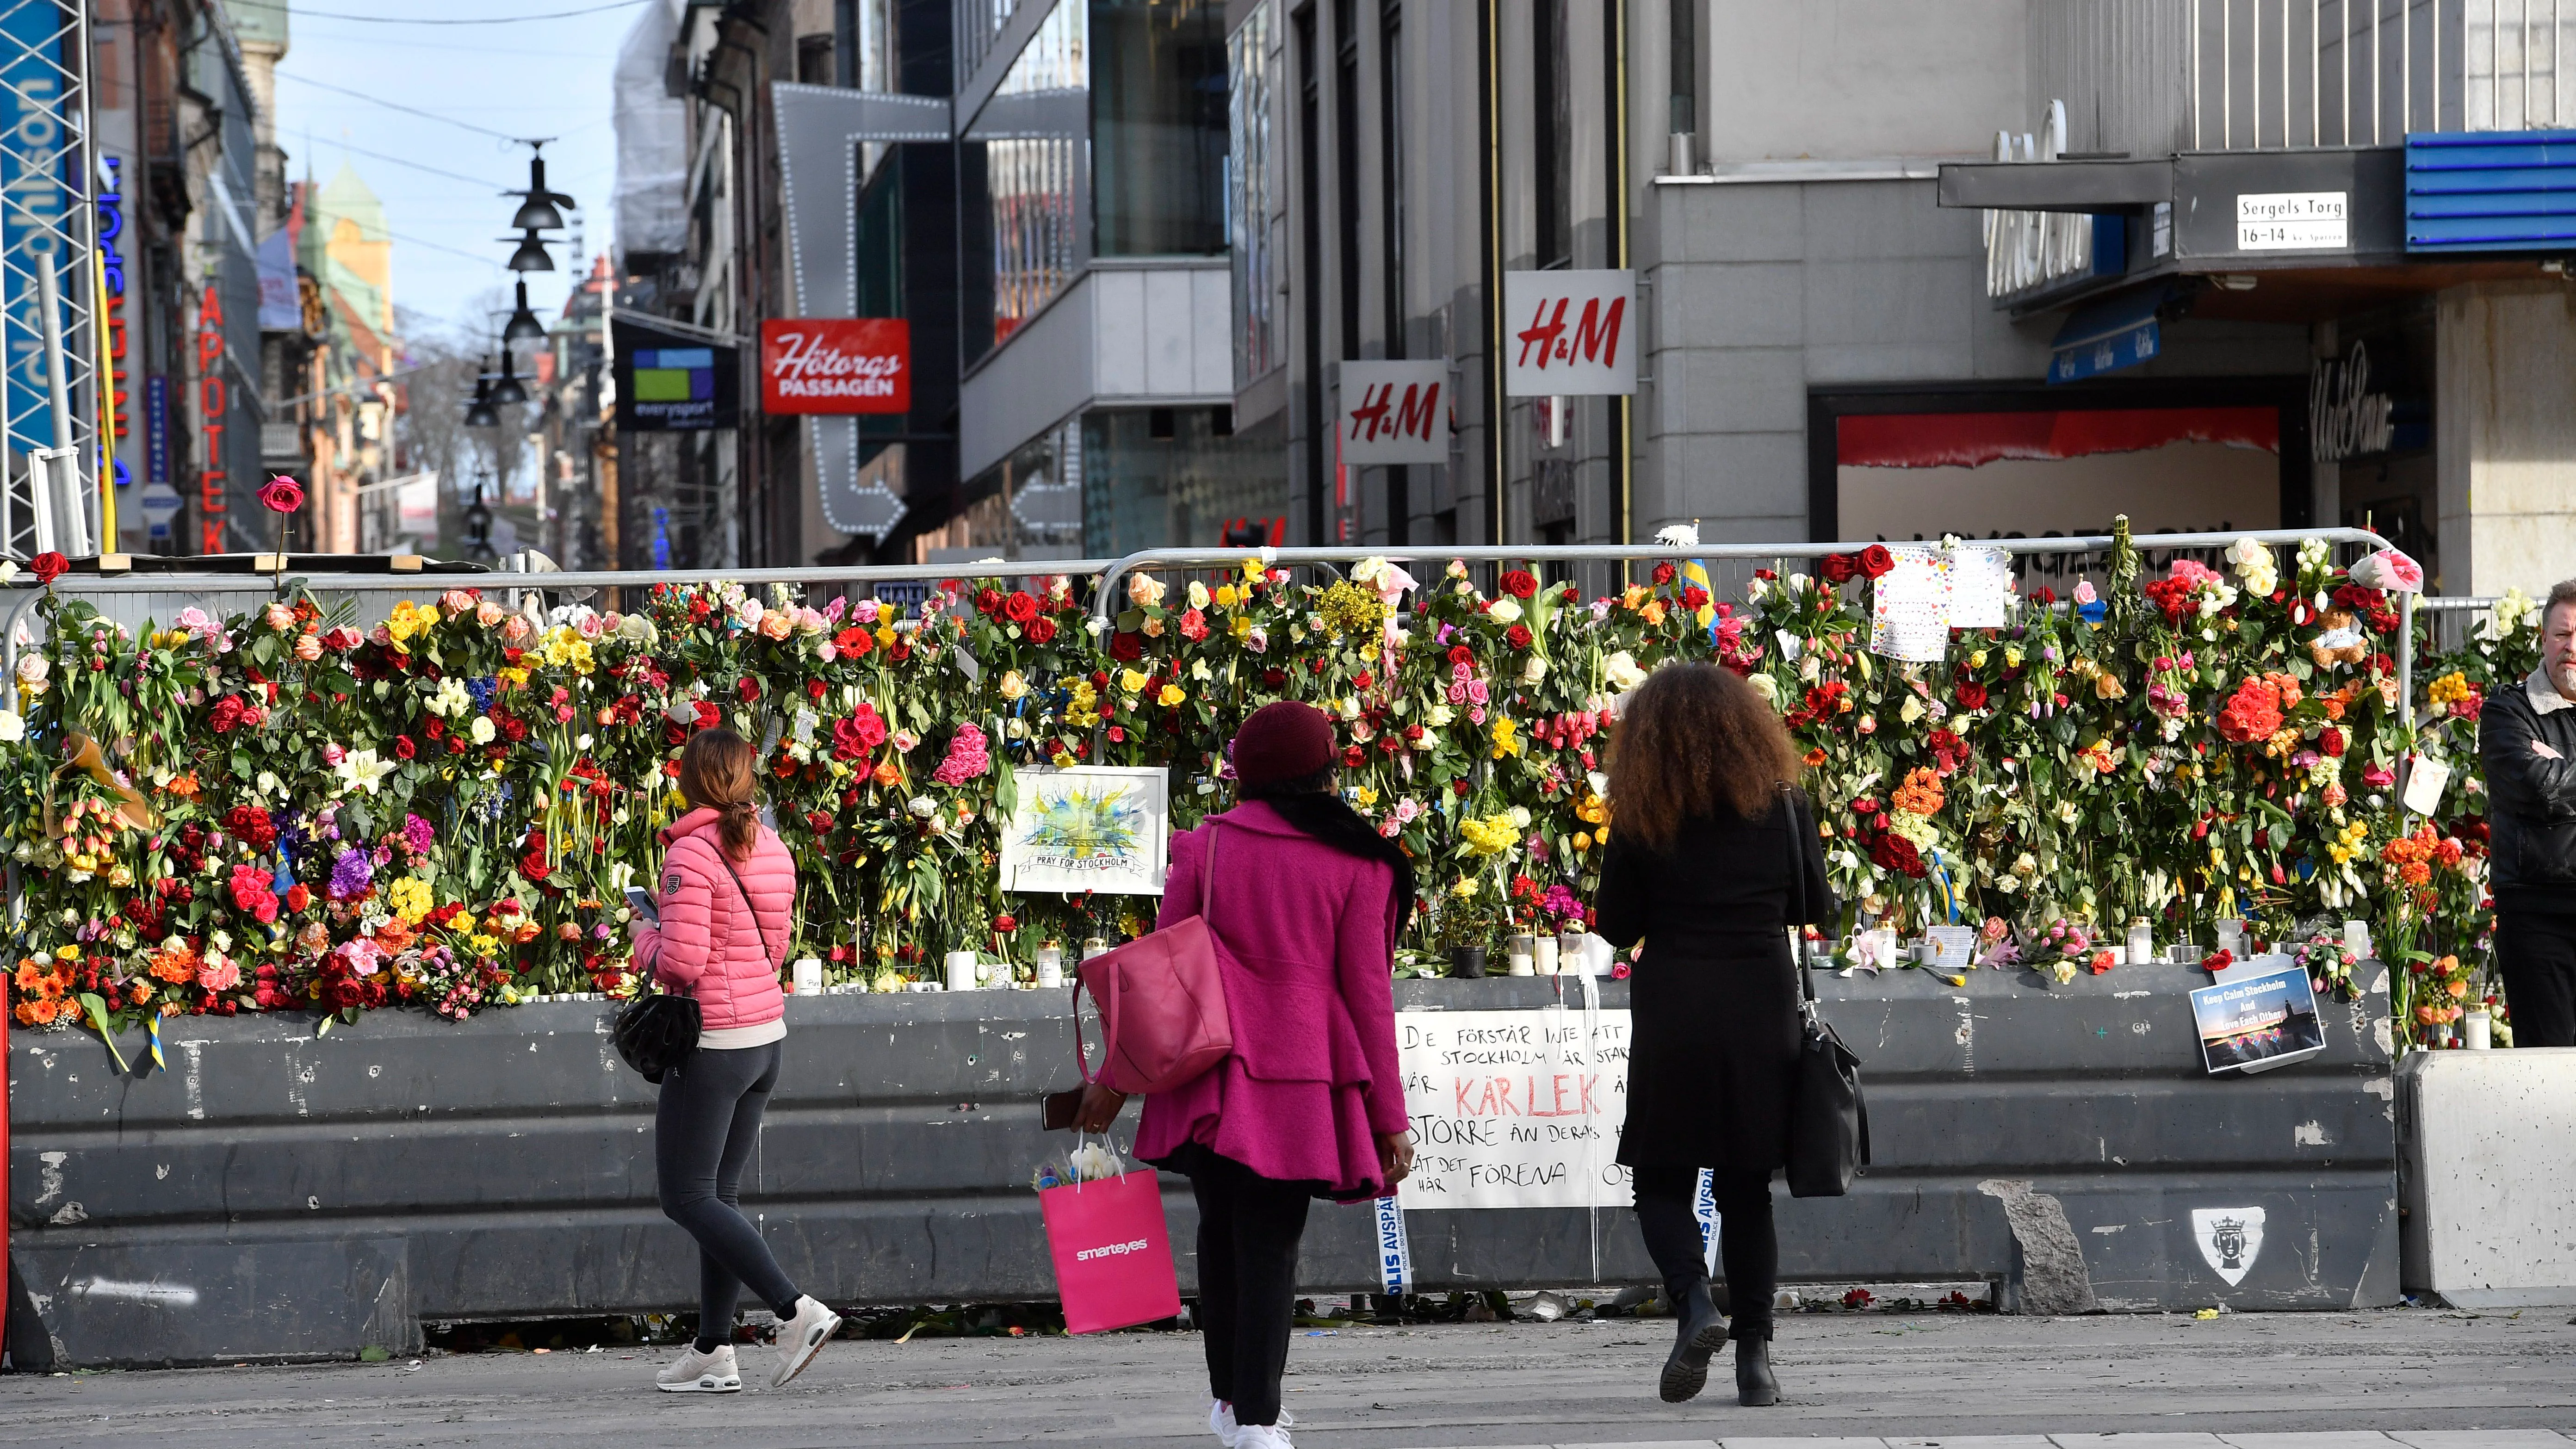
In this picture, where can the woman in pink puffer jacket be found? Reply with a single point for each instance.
(727, 914)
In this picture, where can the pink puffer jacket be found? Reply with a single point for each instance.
(708, 946)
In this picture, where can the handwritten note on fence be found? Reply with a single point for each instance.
(1515, 1108)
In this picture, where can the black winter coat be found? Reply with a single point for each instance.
(1714, 999)
(2531, 800)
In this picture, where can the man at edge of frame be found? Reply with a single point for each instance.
(2527, 743)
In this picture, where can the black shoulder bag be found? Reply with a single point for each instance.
(1828, 1119)
(658, 1028)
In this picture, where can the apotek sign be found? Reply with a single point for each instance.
(1569, 334)
(1395, 412)
(836, 365)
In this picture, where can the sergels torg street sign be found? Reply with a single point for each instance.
(1569, 334)
(1395, 412)
(836, 365)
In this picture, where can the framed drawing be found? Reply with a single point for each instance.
(1089, 828)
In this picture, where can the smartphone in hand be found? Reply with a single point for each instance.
(640, 901)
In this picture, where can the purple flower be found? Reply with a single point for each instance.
(351, 875)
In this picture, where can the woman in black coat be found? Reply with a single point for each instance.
(1699, 867)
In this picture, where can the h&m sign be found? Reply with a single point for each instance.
(1569, 334)
(1395, 412)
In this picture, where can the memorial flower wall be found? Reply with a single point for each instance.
(286, 812)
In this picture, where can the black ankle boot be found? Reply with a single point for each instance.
(1697, 1332)
(1755, 1388)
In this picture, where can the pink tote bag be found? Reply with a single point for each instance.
(1113, 1253)
(1162, 1003)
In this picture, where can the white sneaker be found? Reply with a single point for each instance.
(702, 1373)
(1229, 1433)
(801, 1337)
(1264, 1436)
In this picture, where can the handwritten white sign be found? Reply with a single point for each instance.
(1515, 1109)
(1910, 606)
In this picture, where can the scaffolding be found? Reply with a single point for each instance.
(49, 283)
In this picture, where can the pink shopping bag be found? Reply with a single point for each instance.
(1113, 1254)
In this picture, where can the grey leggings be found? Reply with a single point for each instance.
(703, 1135)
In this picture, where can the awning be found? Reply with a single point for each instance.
(2111, 334)
(1972, 440)
(2088, 186)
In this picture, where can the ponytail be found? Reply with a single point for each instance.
(716, 773)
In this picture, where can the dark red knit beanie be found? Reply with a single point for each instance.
(1282, 741)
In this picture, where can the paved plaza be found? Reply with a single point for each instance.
(2423, 1379)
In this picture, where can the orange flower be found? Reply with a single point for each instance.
(886, 773)
(1920, 794)
(1814, 758)
(36, 1013)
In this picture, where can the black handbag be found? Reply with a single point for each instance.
(1828, 1117)
(657, 1029)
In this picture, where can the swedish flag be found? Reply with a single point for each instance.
(1696, 571)
(152, 1032)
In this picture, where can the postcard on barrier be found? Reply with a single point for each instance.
(2253, 1023)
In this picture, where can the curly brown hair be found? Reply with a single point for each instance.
(1692, 738)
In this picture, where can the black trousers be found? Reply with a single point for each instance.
(1249, 1226)
(2536, 950)
(704, 1131)
(1748, 1246)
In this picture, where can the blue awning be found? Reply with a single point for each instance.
(2108, 335)
(2491, 191)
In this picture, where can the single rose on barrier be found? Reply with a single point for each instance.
(47, 567)
(281, 494)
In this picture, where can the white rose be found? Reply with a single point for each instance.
(1767, 687)
(483, 729)
(1505, 611)
(32, 668)
(13, 728)
(1622, 671)
(922, 807)
(1438, 717)
(1535, 670)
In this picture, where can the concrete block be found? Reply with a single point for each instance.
(1896, 303)
(2490, 1187)
(2322, 1439)
(1729, 390)
(1728, 304)
(2480, 1439)
(1756, 223)
(1856, 219)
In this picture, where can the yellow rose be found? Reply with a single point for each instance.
(1172, 694)
(1132, 680)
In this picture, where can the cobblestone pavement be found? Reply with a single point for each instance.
(2416, 1378)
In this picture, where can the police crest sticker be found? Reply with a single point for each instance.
(2230, 1239)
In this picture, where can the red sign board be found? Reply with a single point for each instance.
(836, 365)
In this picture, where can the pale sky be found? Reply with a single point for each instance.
(525, 78)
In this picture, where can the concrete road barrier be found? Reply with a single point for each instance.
(2488, 1140)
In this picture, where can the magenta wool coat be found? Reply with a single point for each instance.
(710, 945)
(1305, 936)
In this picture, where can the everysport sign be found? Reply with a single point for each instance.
(1515, 1109)
(836, 365)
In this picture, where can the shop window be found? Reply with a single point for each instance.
(1158, 127)
(1249, 198)
(814, 60)
(1552, 136)
(1031, 137)
(1193, 489)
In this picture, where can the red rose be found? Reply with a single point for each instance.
(1838, 568)
(709, 716)
(1355, 756)
(1364, 680)
(1663, 573)
(48, 566)
(1020, 607)
(227, 714)
(1972, 695)
(1519, 583)
(813, 689)
(748, 688)
(1126, 646)
(1005, 923)
(404, 749)
(281, 494)
(819, 823)
(987, 600)
(1461, 654)
(1875, 560)
(2331, 742)
(1041, 631)
(297, 897)
(1694, 597)
(1274, 678)
(1517, 636)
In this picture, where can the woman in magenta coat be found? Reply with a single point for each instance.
(1304, 907)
